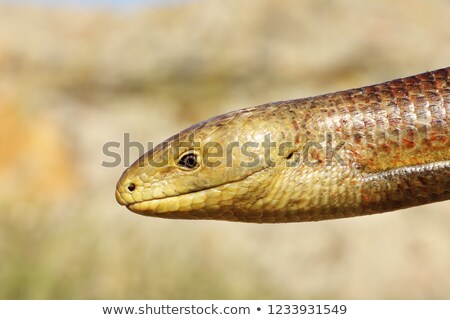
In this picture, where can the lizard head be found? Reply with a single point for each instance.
(212, 170)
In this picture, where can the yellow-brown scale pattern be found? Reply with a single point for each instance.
(394, 146)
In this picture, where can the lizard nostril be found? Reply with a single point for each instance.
(131, 187)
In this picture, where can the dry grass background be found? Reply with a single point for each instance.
(72, 79)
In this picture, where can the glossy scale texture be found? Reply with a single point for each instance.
(350, 153)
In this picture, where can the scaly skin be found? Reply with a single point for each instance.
(356, 152)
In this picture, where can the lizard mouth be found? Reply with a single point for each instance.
(181, 204)
(121, 200)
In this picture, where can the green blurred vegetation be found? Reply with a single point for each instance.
(73, 79)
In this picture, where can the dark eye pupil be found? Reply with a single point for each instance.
(188, 161)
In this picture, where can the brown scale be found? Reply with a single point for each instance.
(396, 152)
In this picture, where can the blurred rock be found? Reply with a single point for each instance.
(36, 161)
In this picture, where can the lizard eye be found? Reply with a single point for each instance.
(188, 161)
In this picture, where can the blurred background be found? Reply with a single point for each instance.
(77, 74)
